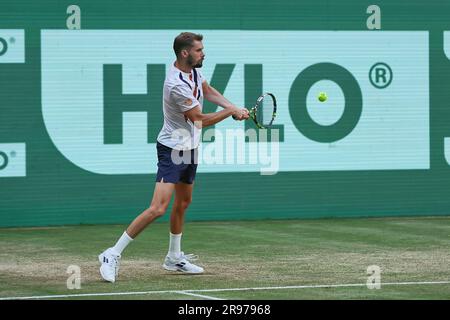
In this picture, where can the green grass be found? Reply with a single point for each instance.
(238, 254)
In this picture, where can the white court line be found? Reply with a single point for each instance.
(323, 286)
(190, 292)
(199, 295)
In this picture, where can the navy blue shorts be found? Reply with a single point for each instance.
(179, 168)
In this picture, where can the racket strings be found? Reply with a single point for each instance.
(264, 109)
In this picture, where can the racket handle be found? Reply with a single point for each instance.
(235, 117)
(250, 112)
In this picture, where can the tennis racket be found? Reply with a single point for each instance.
(264, 108)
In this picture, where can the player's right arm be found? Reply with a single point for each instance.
(202, 120)
(182, 96)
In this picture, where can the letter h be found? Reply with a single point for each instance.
(115, 102)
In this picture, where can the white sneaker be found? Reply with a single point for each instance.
(110, 265)
(182, 264)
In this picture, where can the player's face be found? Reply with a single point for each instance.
(196, 55)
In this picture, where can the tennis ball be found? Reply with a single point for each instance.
(322, 96)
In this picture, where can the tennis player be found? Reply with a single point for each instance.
(177, 144)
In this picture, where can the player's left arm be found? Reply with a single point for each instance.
(214, 96)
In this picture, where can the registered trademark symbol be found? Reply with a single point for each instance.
(12, 154)
(12, 40)
(380, 75)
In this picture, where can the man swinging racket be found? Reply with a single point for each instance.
(184, 90)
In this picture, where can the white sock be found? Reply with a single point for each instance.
(175, 245)
(122, 243)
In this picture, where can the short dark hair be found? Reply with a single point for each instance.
(185, 40)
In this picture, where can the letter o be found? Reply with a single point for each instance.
(3, 46)
(297, 102)
(4, 162)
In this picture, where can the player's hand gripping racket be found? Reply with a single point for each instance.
(265, 108)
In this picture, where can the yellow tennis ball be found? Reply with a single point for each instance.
(322, 96)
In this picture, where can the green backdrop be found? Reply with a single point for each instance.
(80, 109)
